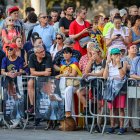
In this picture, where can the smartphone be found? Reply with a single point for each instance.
(90, 27)
(118, 35)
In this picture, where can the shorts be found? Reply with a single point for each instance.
(119, 102)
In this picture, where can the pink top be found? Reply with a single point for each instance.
(83, 63)
(9, 34)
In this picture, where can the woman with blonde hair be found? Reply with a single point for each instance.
(9, 32)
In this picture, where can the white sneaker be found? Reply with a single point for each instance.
(15, 122)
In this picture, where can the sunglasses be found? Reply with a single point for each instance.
(44, 17)
(10, 49)
(59, 38)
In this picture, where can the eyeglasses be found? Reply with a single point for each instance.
(41, 51)
(59, 38)
(10, 49)
(44, 17)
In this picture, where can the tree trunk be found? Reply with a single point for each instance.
(39, 6)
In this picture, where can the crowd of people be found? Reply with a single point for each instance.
(64, 45)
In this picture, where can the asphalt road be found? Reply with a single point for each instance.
(33, 134)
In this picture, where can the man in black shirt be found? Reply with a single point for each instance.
(40, 64)
(64, 22)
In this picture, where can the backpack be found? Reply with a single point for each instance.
(20, 28)
(30, 32)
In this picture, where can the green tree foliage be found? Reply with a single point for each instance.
(125, 3)
(86, 3)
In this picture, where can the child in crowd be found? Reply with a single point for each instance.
(96, 34)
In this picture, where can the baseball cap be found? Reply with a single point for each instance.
(34, 35)
(12, 45)
(122, 12)
(130, 45)
(13, 9)
(115, 51)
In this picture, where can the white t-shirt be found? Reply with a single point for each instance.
(117, 43)
(53, 50)
(113, 71)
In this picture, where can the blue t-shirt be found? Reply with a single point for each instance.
(13, 66)
(27, 46)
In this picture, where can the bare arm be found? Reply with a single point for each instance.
(99, 74)
(64, 31)
(56, 68)
(73, 73)
(108, 41)
(122, 70)
(79, 34)
(47, 72)
(130, 35)
(106, 70)
(135, 77)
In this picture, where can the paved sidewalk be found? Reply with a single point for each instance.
(30, 134)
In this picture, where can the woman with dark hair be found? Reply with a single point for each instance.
(58, 46)
(117, 37)
(134, 33)
(29, 25)
(20, 51)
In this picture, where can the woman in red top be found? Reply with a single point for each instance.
(79, 29)
(8, 33)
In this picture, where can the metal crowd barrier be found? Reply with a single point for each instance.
(97, 107)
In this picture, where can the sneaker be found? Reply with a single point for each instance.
(37, 122)
(121, 131)
(15, 123)
(110, 131)
(30, 110)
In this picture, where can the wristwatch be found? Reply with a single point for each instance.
(120, 68)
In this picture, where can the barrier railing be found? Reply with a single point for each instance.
(96, 107)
